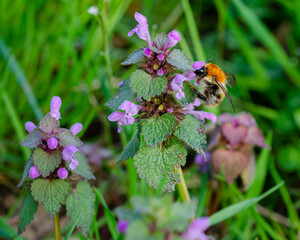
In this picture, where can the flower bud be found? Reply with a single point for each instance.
(160, 57)
(122, 226)
(160, 72)
(170, 110)
(55, 106)
(76, 128)
(34, 172)
(62, 173)
(52, 143)
(161, 107)
(147, 52)
(29, 126)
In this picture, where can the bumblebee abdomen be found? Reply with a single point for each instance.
(214, 70)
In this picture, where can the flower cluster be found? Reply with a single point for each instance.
(233, 143)
(53, 144)
(165, 111)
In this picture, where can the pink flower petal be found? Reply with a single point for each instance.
(225, 117)
(34, 172)
(234, 134)
(160, 72)
(52, 143)
(190, 75)
(68, 152)
(55, 106)
(141, 19)
(255, 137)
(235, 162)
(246, 119)
(195, 230)
(116, 116)
(198, 65)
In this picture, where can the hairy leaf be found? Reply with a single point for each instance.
(191, 131)
(33, 139)
(80, 206)
(28, 165)
(50, 193)
(146, 87)
(67, 138)
(124, 93)
(134, 57)
(46, 162)
(83, 168)
(48, 124)
(156, 165)
(132, 148)
(179, 59)
(28, 209)
(156, 129)
(154, 49)
(160, 40)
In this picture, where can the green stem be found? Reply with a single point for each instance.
(182, 188)
(57, 227)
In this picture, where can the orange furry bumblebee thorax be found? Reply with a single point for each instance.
(214, 70)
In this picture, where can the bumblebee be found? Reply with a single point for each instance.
(213, 80)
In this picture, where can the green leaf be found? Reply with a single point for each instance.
(28, 165)
(83, 168)
(134, 57)
(191, 131)
(48, 124)
(132, 148)
(80, 206)
(46, 162)
(33, 139)
(26, 215)
(146, 87)
(111, 221)
(67, 138)
(189, 94)
(124, 93)
(156, 129)
(50, 193)
(180, 60)
(230, 211)
(160, 40)
(157, 164)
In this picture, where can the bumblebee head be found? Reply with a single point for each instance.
(202, 72)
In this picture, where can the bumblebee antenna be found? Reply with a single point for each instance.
(225, 92)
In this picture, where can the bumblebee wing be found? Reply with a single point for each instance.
(225, 92)
(230, 78)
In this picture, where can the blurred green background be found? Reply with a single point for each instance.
(56, 48)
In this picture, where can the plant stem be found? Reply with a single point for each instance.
(182, 189)
(57, 227)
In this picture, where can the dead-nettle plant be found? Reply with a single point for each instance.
(49, 173)
(165, 111)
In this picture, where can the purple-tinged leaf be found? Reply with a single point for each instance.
(48, 124)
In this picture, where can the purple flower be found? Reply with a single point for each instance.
(73, 164)
(29, 126)
(121, 83)
(190, 75)
(173, 38)
(76, 128)
(68, 153)
(55, 106)
(122, 226)
(196, 229)
(62, 173)
(170, 110)
(126, 118)
(52, 143)
(141, 29)
(203, 164)
(241, 128)
(201, 115)
(34, 172)
(177, 85)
